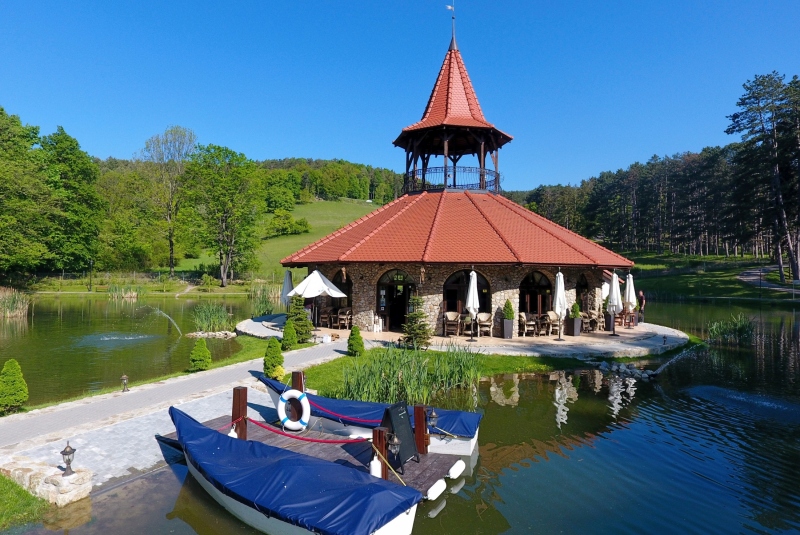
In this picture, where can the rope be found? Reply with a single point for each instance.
(308, 439)
(353, 418)
(387, 464)
(228, 426)
(444, 432)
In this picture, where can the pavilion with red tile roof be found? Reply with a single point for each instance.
(450, 221)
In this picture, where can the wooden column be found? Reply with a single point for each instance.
(240, 411)
(299, 384)
(379, 440)
(421, 428)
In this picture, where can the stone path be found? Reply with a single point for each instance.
(754, 278)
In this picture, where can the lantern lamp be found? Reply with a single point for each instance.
(394, 444)
(124, 380)
(69, 454)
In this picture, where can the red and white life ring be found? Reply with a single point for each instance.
(288, 423)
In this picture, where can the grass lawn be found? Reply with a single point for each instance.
(17, 506)
(718, 282)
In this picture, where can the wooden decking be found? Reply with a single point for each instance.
(419, 475)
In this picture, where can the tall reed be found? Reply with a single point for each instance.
(13, 304)
(739, 330)
(211, 317)
(264, 297)
(125, 291)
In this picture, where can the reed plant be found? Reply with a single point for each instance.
(125, 291)
(13, 303)
(738, 330)
(211, 317)
(264, 297)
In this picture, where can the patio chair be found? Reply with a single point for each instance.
(586, 322)
(484, 323)
(544, 325)
(528, 324)
(555, 327)
(325, 317)
(345, 317)
(467, 325)
(452, 323)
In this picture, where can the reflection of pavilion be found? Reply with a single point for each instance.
(450, 221)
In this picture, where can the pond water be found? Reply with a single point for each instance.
(71, 345)
(712, 447)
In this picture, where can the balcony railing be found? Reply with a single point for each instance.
(457, 177)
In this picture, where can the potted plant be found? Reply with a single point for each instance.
(573, 324)
(508, 319)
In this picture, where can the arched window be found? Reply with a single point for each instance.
(582, 292)
(346, 286)
(535, 293)
(395, 288)
(455, 292)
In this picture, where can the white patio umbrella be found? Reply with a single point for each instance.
(472, 298)
(614, 306)
(314, 285)
(287, 287)
(629, 300)
(560, 302)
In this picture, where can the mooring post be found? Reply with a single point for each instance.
(379, 441)
(240, 411)
(299, 384)
(421, 428)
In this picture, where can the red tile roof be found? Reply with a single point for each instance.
(456, 226)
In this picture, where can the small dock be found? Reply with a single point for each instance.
(422, 475)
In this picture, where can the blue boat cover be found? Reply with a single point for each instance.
(318, 495)
(369, 414)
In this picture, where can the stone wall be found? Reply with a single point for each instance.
(46, 481)
(504, 282)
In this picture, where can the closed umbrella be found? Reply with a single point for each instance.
(629, 300)
(614, 306)
(472, 299)
(287, 287)
(560, 302)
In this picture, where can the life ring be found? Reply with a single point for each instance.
(294, 425)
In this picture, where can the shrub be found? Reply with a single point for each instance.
(508, 310)
(273, 360)
(289, 336)
(416, 329)
(200, 357)
(209, 282)
(13, 388)
(575, 311)
(302, 325)
(355, 344)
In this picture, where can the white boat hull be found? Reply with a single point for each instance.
(400, 525)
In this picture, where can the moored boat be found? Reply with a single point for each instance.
(455, 432)
(285, 493)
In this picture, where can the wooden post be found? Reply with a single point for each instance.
(421, 428)
(379, 441)
(299, 384)
(240, 410)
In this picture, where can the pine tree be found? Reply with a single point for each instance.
(416, 329)
(299, 317)
(289, 336)
(273, 359)
(13, 389)
(355, 344)
(200, 358)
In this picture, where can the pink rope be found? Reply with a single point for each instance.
(309, 439)
(353, 418)
(228, 426)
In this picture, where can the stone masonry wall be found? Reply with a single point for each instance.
(503, 281)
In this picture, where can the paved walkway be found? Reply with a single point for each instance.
(757, 277)
(113, 433)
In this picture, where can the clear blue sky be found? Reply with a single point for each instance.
(582, 86)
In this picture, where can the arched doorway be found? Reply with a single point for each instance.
(395, 288)
(582, 293)
(535, 293)
(455, 292)
(346, 286)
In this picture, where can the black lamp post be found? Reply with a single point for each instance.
(69, 454)
(124, 380)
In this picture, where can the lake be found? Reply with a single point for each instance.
(712, 447)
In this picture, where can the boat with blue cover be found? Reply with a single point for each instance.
(455, 432)
(286, 493)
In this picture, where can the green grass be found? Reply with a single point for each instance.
(651, 263)
(17, 506)
(710, 283)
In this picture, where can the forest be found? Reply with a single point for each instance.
(744, 196)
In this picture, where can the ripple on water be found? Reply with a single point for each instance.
(113, 340)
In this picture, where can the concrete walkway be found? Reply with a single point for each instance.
(113, 433)
(758, 277)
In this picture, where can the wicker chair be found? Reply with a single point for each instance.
(345, 318)
(325, 316)
(528, 324)
(452, 323)
(484, 323)
(555, 327)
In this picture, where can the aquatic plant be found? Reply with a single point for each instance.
(13, 388)
(125, 291)
(211, 317)
(264, 298)
(411, 376)
(200, 357)
(273, 360)
(355, 344)
(13, 303)
(739, 330)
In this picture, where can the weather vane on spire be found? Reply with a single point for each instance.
(452, 7)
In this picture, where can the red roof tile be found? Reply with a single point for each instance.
(456, 227)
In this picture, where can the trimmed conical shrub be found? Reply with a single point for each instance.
(273, 360)
(299, 317)
(13, 388)
(417, 331)
(289, 336)
(200, 357)
(355, 344)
